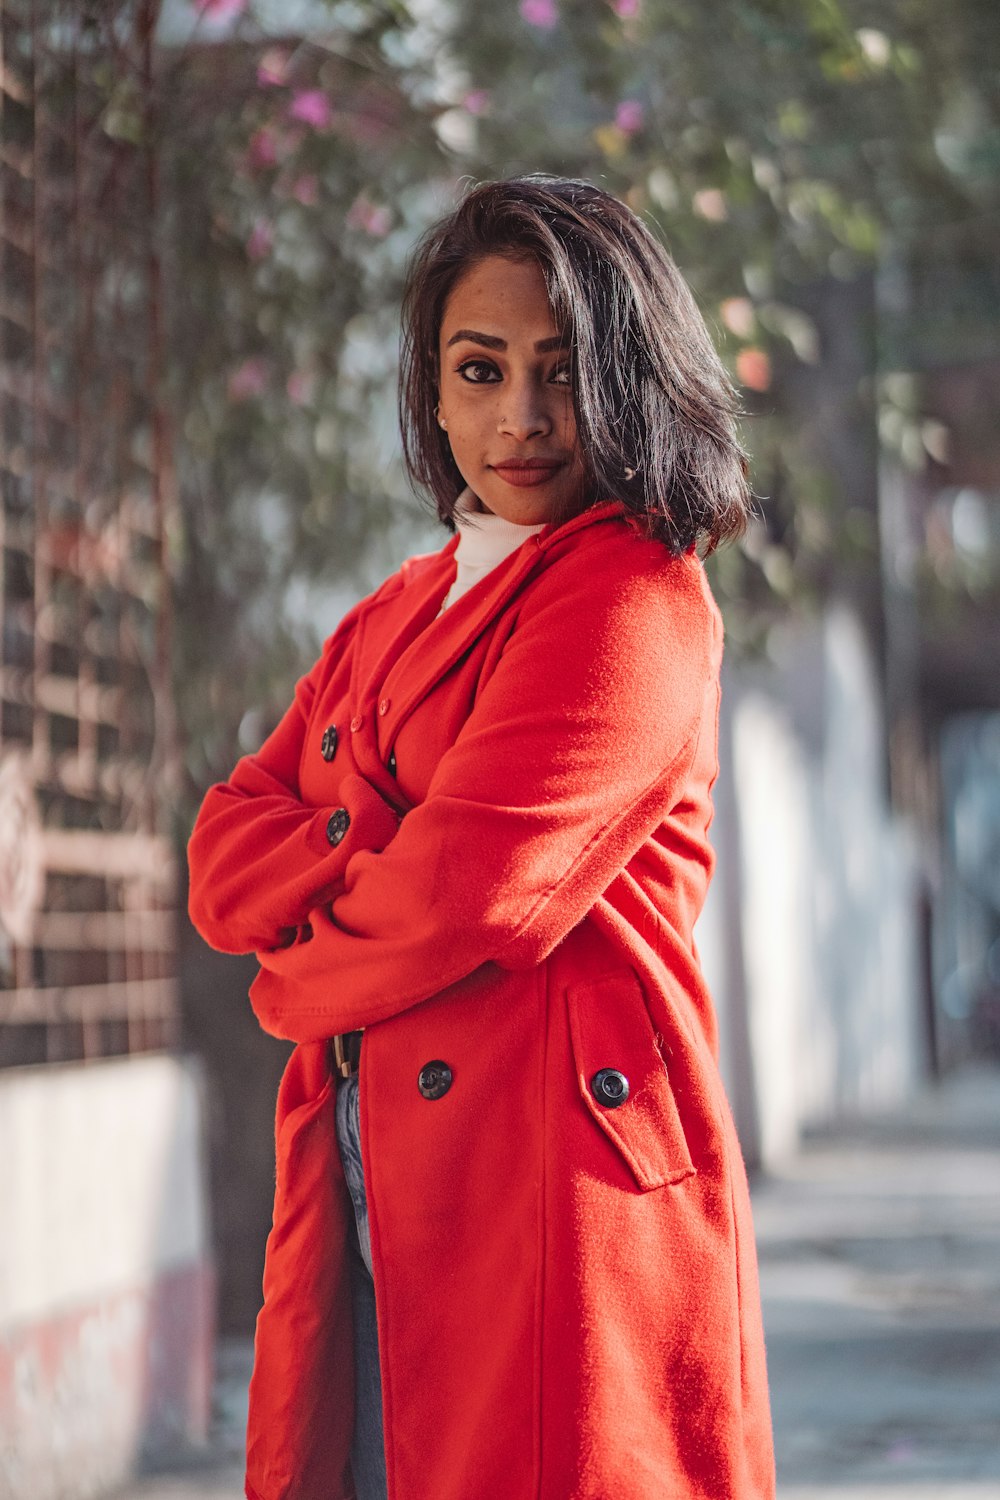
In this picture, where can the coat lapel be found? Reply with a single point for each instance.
(390, 623)
(432, 650)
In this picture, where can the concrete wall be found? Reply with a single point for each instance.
(810, 936)
(106, 1287)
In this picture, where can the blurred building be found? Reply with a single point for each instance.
(944, 322)
(853, 934)
(105, 1276)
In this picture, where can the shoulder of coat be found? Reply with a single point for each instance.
(615, 552)
(631, 589)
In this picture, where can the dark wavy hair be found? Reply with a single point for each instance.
(655, 409)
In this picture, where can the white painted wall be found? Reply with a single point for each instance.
(100, 1180)
(105, 1272)
(809, 938)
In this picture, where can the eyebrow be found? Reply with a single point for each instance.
(490, 340)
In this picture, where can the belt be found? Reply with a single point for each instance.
(347, 1053)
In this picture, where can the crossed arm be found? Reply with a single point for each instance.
(259, 857)
(576, 749)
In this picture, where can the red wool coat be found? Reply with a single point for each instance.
(566, 1291)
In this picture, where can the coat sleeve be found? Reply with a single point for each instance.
(575, 750)
(259, 858)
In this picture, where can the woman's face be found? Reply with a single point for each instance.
(505, 393)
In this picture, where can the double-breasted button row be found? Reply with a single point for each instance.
(337, 825)
(609, 1087)
(434, 1079)
(330, 740)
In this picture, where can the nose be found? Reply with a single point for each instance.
(526, 412)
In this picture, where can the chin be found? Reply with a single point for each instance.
(528, 515)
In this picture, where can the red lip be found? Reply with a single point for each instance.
(527, 471)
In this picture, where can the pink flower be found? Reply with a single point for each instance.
(248, 379)
(629, 116)
(477, 101)
(754, 369)
(271, 68)
(626, 9)
(373, 218)
(260, 241)
(542, 13)
(738, 316)
(299, 386)
(710, 203)
(305, 189)
(312, 107)
(220, 10)
(263, 150)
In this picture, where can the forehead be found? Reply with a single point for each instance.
(499, 295)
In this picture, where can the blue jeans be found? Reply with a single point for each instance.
(368, 1446)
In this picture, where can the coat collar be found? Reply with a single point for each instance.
(405, 645)
(606, 510)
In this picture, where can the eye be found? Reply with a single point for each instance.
(562, 375)
(479, 372)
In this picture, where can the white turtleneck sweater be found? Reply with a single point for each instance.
(483, 541)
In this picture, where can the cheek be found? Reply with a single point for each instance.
(471, 417)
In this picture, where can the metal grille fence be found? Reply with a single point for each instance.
(87, 876)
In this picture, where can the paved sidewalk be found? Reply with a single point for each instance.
(880, 1266)
(217, 1473)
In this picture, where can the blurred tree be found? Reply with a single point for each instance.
(297, 172)
(785, 149)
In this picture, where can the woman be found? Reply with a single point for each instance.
(478, 837)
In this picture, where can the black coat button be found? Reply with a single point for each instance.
(609, 1087)
(328, 748)
(435, 1079)
(340, 822)
(391, 763)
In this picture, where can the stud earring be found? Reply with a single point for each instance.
(442, 421)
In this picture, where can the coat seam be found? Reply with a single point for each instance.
(543, 982)
(739, 1290)
(381, 1328)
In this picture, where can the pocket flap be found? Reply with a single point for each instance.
(610, 1028)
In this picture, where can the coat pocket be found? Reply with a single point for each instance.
(611, 1030)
